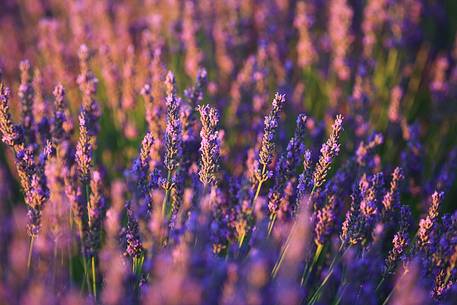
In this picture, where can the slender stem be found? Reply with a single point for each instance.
(315, 295)
(307, 273)
(55, 263)
(29, 259)
(380, 283)
(242, 237)
(94, 279)
(86, 277)
(257, 193)
(286, 244)
(165, 198)
(275, 270)
(340, 294)
(70, 262)
(393, 289)
(259, 186)
(272, 223)
(87, 202)
(388, 297)
(83, 257)
(70, 244)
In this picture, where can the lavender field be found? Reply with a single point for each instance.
(228, 152)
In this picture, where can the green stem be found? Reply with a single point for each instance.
(308, 272)
(87, 202)
(286, 244)
(275, 270)
(380, 283)
(388, 297)
(272, 223)
(83, 257)
(70, 262)
(165, 198)
(315, 295)
(86, 277)
(70, 245)
(259, 186)
(393, 289)
(94, 279)
(243, 236)
(29, 259)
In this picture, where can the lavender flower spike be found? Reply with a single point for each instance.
(271, 124)
(62, 125)
(173, 135)
(268, 146)
(84, 149)
(329, 151)
(173, 140)
(38, 193)
(210, 146)
(391, 198)
(26, 97)
(426, 225)
(11, 134)
(96, 209)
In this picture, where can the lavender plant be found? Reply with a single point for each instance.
(142, 163)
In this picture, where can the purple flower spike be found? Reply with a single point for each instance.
(210, 146)
(425, 234)
(96, 211)
(173, 133)
(329, 151)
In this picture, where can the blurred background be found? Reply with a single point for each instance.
(388, 66)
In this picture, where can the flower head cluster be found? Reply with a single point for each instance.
(400, 242)
(287, 165)
(391, 198)
(339, 26)
(84, 149)
(271, 124)
(134, 246)
(325, 221)
(12, 134)
(173, 133)
(96, 210)
(62, 125)
(88, 86)
(425, 234)
(26, 95)
(329, 151)
(88, 116)
(210, 146)
(38, 193)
